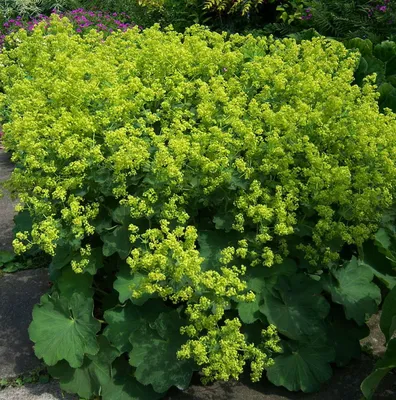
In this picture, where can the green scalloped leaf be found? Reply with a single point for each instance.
(95, 261)
(344, 336)
(352, 287)
(370, 384)
(122, 215)
(296, 307)
(365, 46)
(250, 312)
(388, 315)
(223, 221)
(261, 280)
(379, 264)
(6, 257)
(69, 282)
(386, 364)
(123, 320)
(124, 385)
(302, 366)
(64, 329)
(89, 379)
(385, 50)
(23, 222)
(125, 283)
(63, 256)
(117, 241)
(154, 349)
(210, 245)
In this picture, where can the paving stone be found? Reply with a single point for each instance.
(19, 292)
(49, 391)
(6, 205)
(344, 385)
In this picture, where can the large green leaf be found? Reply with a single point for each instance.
(296, 307)
(117, 241)
(103, 222)
(383, 239)
(6, 257)
(261, 280)
(123, 320)
(361, 71)
(154, 354)
(259, 276)
(352, 287)
(344, 336)
(95, 261)
(122, 215)
(250, 312)
(124, 385)
(385, 50)
(64, 329)
(365, 46)
(63, 256)
(256, 282)
(210, 245)
(302, 366)
(388, 101)
(382, 367)
(126, 283)
(376, 66)
(23, 222)
(388, 315)
(223, 221)
(379, 264)
(370, 384)
(94, 374)
(69, 282)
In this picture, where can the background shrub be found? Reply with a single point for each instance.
(82, 20)
(199, 194)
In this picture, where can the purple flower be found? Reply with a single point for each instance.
(102, 21)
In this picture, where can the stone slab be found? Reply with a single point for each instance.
(19, 292)
(344, 385)
(49, 391)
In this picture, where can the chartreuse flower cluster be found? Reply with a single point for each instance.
(171, 168)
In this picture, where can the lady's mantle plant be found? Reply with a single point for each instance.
(199, 194)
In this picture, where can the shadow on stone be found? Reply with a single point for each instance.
(345, 385)
(19, 292)
(49, 391)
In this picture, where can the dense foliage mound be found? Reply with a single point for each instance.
(199, 195)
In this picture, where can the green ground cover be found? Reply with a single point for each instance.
(207, 202)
